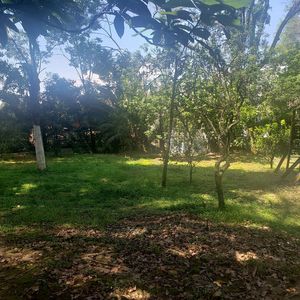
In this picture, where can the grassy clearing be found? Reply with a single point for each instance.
(97, 190)
(101, 227)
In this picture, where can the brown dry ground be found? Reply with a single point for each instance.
(172, 256)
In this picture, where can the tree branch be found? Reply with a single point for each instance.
(295, 9)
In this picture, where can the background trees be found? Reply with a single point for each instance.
(213, 85)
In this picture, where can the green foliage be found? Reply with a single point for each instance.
(172, 21)
(36, 17)
(271, 139)
(291, 34)
(286, 85)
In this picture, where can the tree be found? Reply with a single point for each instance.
(14, 125)
(34, 17)
(271, 139)
(223, 81)
(176, 66)
(291, 34)
(190, 124)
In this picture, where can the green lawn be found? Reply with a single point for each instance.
(101, 227)
(86, 190)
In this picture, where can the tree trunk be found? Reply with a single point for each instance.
(280, 163)
(39, 147)
(165, 167)
(166, 155)
(190, 160)
(219, 173)
(161, 133)
(191, 171)
(219, 188)
(34, 95)
(272, 160)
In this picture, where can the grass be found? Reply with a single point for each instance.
(101, 227)
(96, 190)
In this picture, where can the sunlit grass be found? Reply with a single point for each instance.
(87, 190)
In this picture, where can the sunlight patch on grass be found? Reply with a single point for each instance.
(15, 162)
(104, 180)
(205, 163)
(95, 190)
(25, 188)
(144, 162)
(265, 215)
(18, 207)
(271, 197)
(249, 167)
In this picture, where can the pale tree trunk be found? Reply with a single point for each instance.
(34, 94)
(31, 67)
(39, 147)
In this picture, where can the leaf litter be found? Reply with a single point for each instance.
(174, 256)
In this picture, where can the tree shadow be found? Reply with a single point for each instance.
(173, 256)
(97, 190)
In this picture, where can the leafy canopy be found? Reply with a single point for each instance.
(183, 21)
(168, 21)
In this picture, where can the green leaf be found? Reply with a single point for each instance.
(210, 2)
(119, 25)
(237, 4)
(172, 13)
(236, 22)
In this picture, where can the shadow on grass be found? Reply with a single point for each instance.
(98, 190)
(174, 256)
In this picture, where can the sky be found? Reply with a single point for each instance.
(58, 64)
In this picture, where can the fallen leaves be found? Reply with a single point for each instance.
(154, 257)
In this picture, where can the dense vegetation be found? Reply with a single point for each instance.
(223, 90)
(191, 125)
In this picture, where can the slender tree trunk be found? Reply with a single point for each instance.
(166, 155)
(190, 161)
(280, 163)
(191, 171)
(167, 149)
(219, 188)
(272, 160)
(219, 173)
(39, 147)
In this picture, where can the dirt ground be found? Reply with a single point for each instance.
(173, 256)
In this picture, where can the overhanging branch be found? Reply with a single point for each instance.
(293, 11)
